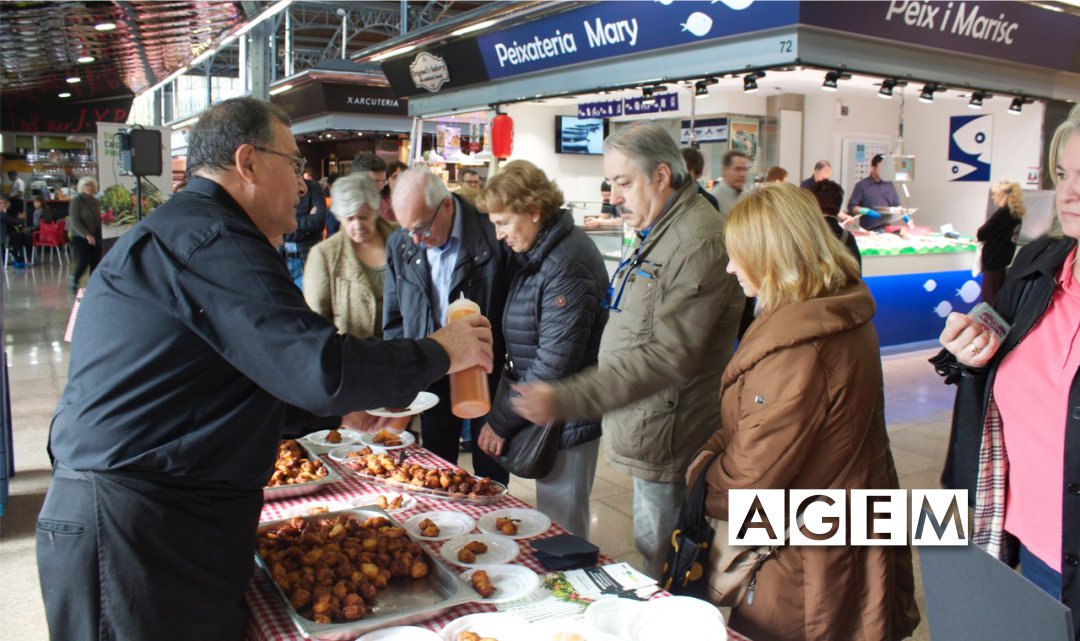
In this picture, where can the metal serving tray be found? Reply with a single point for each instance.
(300, 489)
(441, 494)
(402, 602)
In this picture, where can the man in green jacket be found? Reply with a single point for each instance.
(674, 315)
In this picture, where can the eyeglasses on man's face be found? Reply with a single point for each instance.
(423, 233)
(298, 162)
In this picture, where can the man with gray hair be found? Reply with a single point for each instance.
(822, 171)
(443, 249)
(674, 313)
(732, 183)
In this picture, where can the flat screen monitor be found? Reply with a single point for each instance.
(575, 135)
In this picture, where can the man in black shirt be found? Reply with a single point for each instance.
(192, 356)
(310, 222)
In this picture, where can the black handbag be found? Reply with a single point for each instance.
(531, 452)
(687, 560)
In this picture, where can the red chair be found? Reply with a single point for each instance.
(49, 235)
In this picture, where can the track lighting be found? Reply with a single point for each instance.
(749, 84)
(977, 98)
(701, 87)
(928, 91)
(887, 86)
(831, 79)
(1018, 105)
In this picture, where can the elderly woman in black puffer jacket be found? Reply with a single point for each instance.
(552, 325)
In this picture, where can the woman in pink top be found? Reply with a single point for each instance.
(1020, 398)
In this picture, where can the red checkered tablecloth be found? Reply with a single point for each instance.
(270, 622)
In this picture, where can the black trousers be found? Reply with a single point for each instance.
(122, 557)
(88, 257)
(441, 432)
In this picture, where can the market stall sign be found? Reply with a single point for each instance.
(656, 104)
(67, 119)
(602, 109)
(323, 97)
(707, 130)
(608, 29)
(970, 148)
(1012, 31)
(459, 67)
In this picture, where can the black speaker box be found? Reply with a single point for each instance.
(140, 152)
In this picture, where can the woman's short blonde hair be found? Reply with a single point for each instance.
(1065, 130)
(84, 181)
(778, 237)
(521, 187)
(1014, 198)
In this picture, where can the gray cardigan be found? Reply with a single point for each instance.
(85, 214)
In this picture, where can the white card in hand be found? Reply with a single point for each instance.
(991, 320)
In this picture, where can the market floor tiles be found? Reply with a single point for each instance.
(36, 305)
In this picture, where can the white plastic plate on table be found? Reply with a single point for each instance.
(566, 629)
(531, 522)
(423, 402)
(495, 625)
(408, 502)
(500, 550)
(304, 509)
(367, 439)
(401, 633)
(341, 452)
(614, 616)
(511, 582)
(677, 617)
(451, 524)
(319, 438)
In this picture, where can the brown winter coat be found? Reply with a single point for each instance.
(801, 399)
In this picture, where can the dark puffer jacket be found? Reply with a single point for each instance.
(553, 321)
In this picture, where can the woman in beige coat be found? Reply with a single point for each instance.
(802, 408)
(343, 277)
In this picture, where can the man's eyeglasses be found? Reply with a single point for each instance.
(298, 162)
(423, 234)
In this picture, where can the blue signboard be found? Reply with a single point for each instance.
(602, 109)
(656, 104)
(969, 148)
(608, 29)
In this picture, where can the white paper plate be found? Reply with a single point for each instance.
(564, 629)
(367, 439)
(341, 452)
(532, 522)
(451, 524)
(500, 550)
(401, 633)
(423, 402)
(348, 437)
(511, 582)
(496, 625)
(614, 616)
(408, 502)
(305, 508)
(677, 617)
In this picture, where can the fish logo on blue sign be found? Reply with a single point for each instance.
(970, 140)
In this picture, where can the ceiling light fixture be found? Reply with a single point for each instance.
(73, 80)
(105, 26)
(977, 98)
(928, 91)
(1018, 105)
(473, 27)
(85, 59)
(886, 90)
(65, 94)
(831, 79)
(749, 84)
(701, 87)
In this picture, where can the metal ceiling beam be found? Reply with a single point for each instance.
(131, 19)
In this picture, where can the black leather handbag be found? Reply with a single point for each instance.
(687, 563)
(531, 453)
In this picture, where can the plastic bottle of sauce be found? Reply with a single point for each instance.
(470, 396)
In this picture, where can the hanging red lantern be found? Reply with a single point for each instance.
(502, 136)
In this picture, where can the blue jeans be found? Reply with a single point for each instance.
(1042, 575)
(296, 270)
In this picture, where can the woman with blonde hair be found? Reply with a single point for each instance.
(85, 230)
(998, 236)
(343, 277)
(802, 408)
(552, 324)
(1015, 442)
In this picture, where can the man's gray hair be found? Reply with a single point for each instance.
(419, 180)
(648, 145)
(350, 193)
(821, 164)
